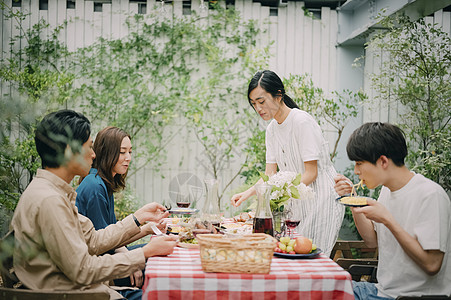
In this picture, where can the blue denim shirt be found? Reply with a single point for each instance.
(93, 201)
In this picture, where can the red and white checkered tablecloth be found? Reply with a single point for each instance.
(180, 276)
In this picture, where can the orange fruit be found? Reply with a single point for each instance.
(303, 245)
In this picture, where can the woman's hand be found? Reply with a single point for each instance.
(152, 212)
(160, 245)
(136, 279)
(343, 185)
(237, 199)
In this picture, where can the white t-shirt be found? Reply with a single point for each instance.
(297, 140)
(423, 209)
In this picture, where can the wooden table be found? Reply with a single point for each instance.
(180, 276)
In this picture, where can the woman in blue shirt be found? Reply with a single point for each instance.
(95, 195)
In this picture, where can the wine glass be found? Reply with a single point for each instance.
(292, 216)
(183, 201)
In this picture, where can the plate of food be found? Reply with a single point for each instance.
(312, 254)
(353, 201)
(174, 229)
(190, 244)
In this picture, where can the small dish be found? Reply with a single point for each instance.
(187, 245)
(313, 254)
(174, 229)
(353, 201)
(183, 211)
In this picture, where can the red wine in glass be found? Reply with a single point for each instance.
(292, 224)
(263, 225)
(183, 204)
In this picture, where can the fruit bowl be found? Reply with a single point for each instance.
(312, 254)
(300, 247)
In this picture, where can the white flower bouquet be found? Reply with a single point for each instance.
(285, 186)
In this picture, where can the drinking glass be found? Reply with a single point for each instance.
(183, 200)
(292, 216)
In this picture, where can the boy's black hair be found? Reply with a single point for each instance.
(58, 130)
(371, 140)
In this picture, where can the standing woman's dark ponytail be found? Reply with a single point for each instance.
(271, 83)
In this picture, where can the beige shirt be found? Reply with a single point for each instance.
(57, 248)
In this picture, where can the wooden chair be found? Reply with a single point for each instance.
(362, 265)
(12, 289)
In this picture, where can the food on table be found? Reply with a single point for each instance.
(282, 246)
(192, 228)
(197, 231)
(354, 200)
(175, 229)
(245, 255)
(244, 217)
(355, 187)
(285, 240)
(303, 245)
(299, 245)
(233, 229)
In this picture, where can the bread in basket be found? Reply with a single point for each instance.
(250, 253)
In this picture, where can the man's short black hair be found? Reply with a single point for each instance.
(371, 140)
(58, 130)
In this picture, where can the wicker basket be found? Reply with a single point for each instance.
(250, 253)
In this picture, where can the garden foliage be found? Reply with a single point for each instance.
(415, 77)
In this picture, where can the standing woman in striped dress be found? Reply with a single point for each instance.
(294, 142)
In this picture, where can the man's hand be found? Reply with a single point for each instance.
(136, 279)
(343, 185)
(152, 212)
(162, 225)
(375, 212)
(160, 245)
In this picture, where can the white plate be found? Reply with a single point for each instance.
(183, 211)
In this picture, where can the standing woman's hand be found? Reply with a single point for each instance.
(237, 199)
(343, 185)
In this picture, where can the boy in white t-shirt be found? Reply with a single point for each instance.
(410, 223)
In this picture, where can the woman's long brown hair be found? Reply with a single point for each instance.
(107, 147)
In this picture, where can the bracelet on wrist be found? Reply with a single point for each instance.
(136, 221)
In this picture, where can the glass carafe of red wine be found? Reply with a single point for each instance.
(210, 211)
(263, 221)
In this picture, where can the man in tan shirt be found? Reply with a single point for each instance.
(57, 248)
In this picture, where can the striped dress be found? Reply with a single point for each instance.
(298, 139)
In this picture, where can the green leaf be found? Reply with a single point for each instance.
(263, 176)
(297, 180)
(295, 192)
